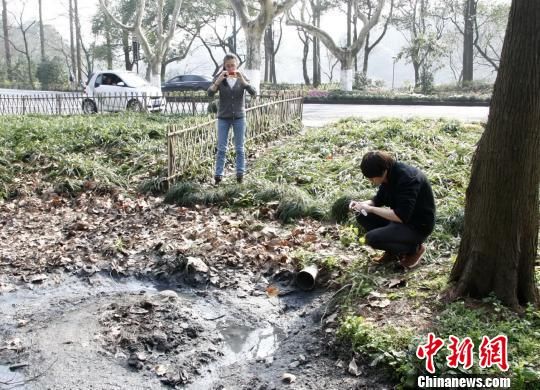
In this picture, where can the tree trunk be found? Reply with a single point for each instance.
(346, 72)
(72, 40)
(417, 80)
(41, 33)
(155, 71)
(78, 40)
(500, 239)
(28, 59)
(366, 56)
(253, 56)
(305, 54)
(469, 13)
(108, 43)
(349, 22)
(126, 49)
(316, 51)
(6, 41)
(268, 53)
(234, 32)
(316, 43)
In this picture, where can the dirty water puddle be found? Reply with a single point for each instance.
(133, 334)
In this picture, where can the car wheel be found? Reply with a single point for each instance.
(89, 107)
(134, 105)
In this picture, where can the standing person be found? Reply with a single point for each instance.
(231, 85)
(409, 218)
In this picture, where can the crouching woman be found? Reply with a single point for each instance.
(401, 215)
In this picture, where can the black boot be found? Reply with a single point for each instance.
(239, 178)
(217, 179)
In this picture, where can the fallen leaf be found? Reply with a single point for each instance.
(272, 291)
(288, 378)
(353, 368)
(382, 303)
(397, 283)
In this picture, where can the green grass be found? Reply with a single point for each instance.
(63, 152)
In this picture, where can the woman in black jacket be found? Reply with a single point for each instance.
(231, 85)
(408, 219)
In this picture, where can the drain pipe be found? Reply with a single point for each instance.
(305, 279)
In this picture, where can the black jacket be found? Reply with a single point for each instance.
(231, 100)
(409, 194)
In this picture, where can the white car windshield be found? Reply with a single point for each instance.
(132, 80)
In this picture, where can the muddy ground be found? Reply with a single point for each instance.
(109, 292)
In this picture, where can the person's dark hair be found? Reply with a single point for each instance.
(231, 56)
(375, 163)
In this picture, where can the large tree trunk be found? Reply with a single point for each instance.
(6, 41)
(253, 56)
(500, 240)
(346, 72)
(469, 13)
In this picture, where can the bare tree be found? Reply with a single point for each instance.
(254, 28)
(489, 26)
(23, 28)
(270, 51)
(222, 38)
(422, 24)
(368, 47)
(306, 40)
(156, 52)
(346, 54)
(5, 27)
(331, 63)
(499, 245)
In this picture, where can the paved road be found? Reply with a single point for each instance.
(317, 115)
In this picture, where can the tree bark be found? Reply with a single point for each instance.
(78, 40)
(41, 33)
(72, 41)
(316, 50)
(126, 49)
(469, 14)
(108, 43)
(305, 54)
(6, 41)
(500, 240)
(268, 53)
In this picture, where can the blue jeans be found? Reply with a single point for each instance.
(239, 132)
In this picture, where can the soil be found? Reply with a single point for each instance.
(111, 292)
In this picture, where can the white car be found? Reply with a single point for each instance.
(110, 90)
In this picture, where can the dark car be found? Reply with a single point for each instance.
(187, 82)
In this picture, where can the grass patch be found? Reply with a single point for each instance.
(40, 152)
